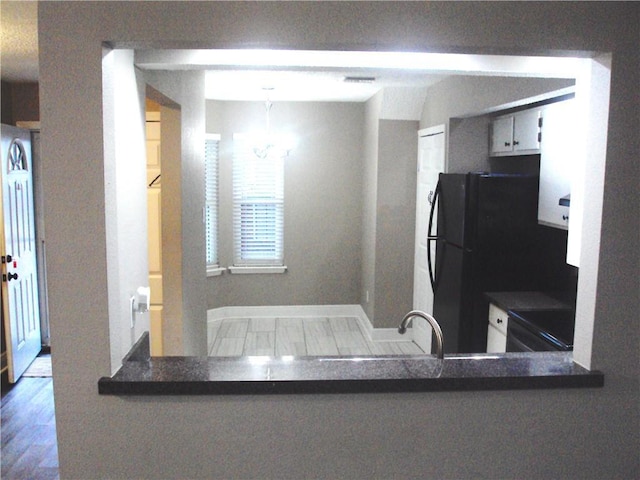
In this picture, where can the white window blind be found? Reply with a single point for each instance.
(258, 206)
(211, 198)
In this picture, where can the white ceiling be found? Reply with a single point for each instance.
(313, 75)
(296, 75)
(307, 85)
(19, 41)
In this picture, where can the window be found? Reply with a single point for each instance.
(258, 207)
(211, 202)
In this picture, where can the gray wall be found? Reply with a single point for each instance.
(463, 95)
(125, 199)
(389, 176)
(590, 433)
(468, 144)
(322, 216)
(395, 220)
(369, 204)
(182, 202)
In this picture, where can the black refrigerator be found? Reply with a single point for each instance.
(486, 241)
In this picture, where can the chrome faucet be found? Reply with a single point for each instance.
(434, 325)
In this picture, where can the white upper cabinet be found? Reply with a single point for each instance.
(526, 131)
(557, 162)
(502, 135)
(516, 134)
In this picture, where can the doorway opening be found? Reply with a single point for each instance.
(590, 73)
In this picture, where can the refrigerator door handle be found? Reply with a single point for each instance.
(432, 238)
(430, 265)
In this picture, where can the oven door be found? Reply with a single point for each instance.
(521, 339)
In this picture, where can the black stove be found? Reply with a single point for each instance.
(540, 330)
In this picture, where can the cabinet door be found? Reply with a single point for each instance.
(497, 330)
(502, 135)
(557, 155)
(496, 340)
(526, 127)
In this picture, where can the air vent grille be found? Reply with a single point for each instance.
(359, 79)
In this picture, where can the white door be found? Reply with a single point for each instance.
(431, 160)
(154, 232)
(19, 278)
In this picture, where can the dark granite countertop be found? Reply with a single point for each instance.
(526, 301)
(144, 375)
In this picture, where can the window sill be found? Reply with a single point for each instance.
(215, 271)
(141, 374)
(257, 269)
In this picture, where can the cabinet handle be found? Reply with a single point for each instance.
(507, 144)
(499, 320)
(515, 142)
(565, 217)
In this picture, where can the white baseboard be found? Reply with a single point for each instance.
(374, 334)
(287, 311)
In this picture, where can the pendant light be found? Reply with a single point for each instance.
(266, 146)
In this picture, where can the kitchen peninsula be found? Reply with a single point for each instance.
(141, 374)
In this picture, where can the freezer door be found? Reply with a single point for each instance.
(507, 210)
(504, 234)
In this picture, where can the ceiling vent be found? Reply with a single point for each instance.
(359, 79)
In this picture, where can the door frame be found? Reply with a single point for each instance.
(421, 329)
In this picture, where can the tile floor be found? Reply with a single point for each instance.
(312, 336)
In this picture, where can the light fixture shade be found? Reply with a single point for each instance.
(272, 146)
(268, 145)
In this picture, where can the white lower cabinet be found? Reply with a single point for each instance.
(497, 330)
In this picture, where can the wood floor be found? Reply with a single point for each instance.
(314, 336)
(28, 430)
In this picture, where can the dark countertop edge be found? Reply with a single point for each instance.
(526, 301)
(557, 371)
(108, 386)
